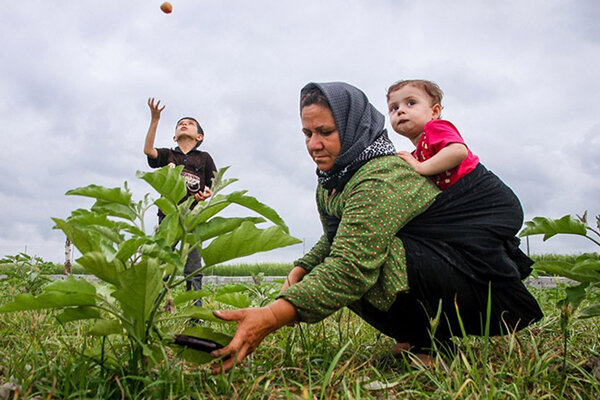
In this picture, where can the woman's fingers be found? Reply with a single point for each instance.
(229, 315)
(229, 363)
(232, 354)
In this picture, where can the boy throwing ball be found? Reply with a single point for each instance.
(198, 171)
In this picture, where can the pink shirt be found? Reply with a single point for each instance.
(438, 134)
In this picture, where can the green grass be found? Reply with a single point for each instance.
(341, 357)
(268, 269)
(282, 269)
(570, 258)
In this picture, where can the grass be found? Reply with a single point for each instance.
(341, 357)
(569, 258)
(282, 269)
(268, 269)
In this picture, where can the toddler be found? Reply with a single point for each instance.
(414, 107)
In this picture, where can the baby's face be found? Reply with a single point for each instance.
(410, 109)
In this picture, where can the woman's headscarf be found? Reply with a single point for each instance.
(361, 131)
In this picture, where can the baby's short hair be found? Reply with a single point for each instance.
(429, 87)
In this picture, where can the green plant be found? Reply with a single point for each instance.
(28, 274)
(584, 270)
(137, 271)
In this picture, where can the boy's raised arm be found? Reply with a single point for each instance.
(155, 111)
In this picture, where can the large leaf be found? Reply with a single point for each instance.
(90, 218)
(58, 294)
(574, 295)
(200, 357)
(139, 288)
(588, 262)
(98, 265)
(169, 229)
(168, 258)
(203, 212)
(218, 182)
(115, 195)
(115, 209)
(130, 247)
(104, 355)
(105, 327)
(190, 295)
(109, 236)
(165, 205)
(231, 288)
(258, 207)
(81, 239)
(77, 313)
(246, 240)
(591, 311)
(218, 226)
(567, 270)
(550, 227)
(167, 181)
(238, 299)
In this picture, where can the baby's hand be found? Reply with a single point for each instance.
(410, 160)
(155, 109)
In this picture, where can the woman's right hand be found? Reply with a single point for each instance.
(254, 324)
(295, 276)
(155, 109)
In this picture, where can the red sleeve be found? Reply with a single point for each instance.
(441, 133)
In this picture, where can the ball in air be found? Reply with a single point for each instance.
(166, 7)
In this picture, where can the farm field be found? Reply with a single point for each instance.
(341, 357)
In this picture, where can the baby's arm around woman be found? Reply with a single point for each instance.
(447, 158)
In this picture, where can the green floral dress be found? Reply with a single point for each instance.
(366, 259)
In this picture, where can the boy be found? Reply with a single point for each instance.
(198, 171)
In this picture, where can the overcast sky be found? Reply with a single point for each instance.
(520, 81)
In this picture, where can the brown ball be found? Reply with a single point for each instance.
(166, 7)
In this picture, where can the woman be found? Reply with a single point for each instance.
(391, 249)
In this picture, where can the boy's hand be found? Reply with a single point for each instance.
(205, 194)
(155, 109)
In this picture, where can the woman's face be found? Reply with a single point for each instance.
(321, 135)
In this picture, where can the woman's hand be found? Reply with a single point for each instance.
(295, 276)
(155, 109)
(254, 324)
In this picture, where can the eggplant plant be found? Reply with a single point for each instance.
(584, 270)
(137, 271)
(27, 273)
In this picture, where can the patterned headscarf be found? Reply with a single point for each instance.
(360, 126)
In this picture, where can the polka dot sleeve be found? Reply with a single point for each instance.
(366, 259)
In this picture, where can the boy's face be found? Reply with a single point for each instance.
(410, 109)
(187, 128)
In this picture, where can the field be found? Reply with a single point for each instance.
(340, 357)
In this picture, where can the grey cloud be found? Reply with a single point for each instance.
(77, 80)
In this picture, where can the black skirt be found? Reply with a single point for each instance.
(461, 252)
